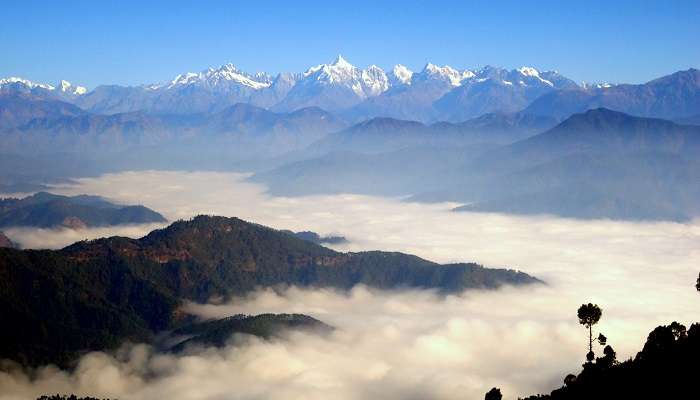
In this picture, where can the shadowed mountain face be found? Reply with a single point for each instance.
(597, 164)
(673, 96)
(119, 288)
(604, 131)
(19, 109)
(380, 135)
(30, 125)
(46, 210)
(219, 332)
(394, 157)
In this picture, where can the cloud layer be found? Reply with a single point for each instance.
(399, 345)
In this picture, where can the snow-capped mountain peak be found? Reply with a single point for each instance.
(68, 88)
(446, 73)
(374, 81)
(466, 74)
(529, 71)
(339, 70)
(185, 79)
(401, 75)
(365, 83)
(225, 74)
(63, 86)
(24, 82)
(340, 62)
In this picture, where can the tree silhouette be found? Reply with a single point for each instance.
(697, 284)
(589, 315)
(493, 394)
(602, 339)
(609, 358)
(569, 379)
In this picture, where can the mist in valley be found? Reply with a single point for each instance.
(399, 344)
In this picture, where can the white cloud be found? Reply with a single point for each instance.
(56, 238)
(403, 345)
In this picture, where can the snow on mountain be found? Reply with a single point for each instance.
(70, 89)
(446, 73)
(335, 86)
(400, 75)
(63, 90)
(493, 89)
(533, 73)
(365, 83)
(338, 86)
(224, 75)
(590, 85)
(374, 80)
(410, 95)
(13, 80)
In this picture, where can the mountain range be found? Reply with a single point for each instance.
(47, 210)
(434, 135)
(674, 96)
(597, 164)
(355, 94)
(46, 126)
(96, 294)
(337, 87)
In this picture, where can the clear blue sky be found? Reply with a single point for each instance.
(124, 42)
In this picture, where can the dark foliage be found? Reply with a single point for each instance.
(96, 294)
(53, 308)
(493, 394)
(666, 368)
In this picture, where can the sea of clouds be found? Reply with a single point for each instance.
(402, 344)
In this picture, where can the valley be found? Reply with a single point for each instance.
(372, 200)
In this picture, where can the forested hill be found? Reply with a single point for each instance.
(95, 294)
(666, 368)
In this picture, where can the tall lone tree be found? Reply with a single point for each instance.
(589, 315)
